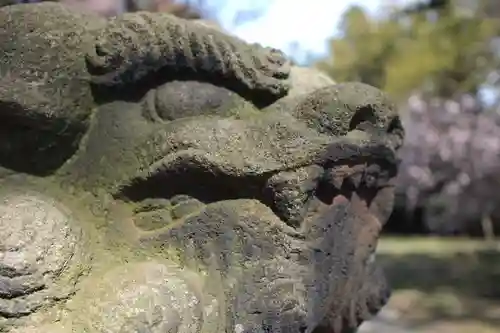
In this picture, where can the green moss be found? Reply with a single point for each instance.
(154, 219)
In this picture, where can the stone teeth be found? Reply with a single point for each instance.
(356, 179)
(338, 175)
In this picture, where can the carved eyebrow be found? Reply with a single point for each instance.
(135, 46)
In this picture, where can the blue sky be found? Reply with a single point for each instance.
(298, 30)
(295, 28)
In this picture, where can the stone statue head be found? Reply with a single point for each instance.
(158, 175)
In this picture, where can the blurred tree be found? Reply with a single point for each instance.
(362, 49)
(437, 50)
(447, 52)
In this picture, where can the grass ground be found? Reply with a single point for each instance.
(443, 285)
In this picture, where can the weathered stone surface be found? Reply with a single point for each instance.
(305, 80)
(134, 46)
(330, 109)
(291, 192)
(172, 199)
(42, 250)
(181, 99)
(53, 328)
(199, 151)
(45, 96)
(39, 241)
(150, 297)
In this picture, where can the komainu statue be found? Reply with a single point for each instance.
(158, 175)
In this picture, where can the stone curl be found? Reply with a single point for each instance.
(133, 46)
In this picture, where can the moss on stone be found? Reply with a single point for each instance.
(336, 110)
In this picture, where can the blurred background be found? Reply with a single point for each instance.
(438, 60)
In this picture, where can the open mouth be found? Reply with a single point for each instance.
(346, 199)
(345, 166)
(331, 206)
(348, 287)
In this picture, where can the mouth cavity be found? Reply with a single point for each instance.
(352, 184)
(364, 177)
(209, 185)
(328, 182)
(206, 185)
